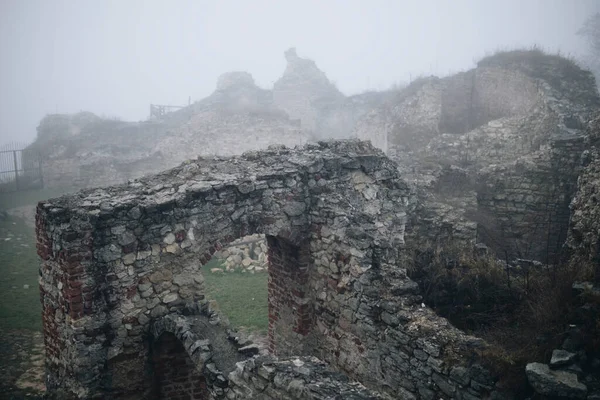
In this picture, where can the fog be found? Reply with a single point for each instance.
(115, 57)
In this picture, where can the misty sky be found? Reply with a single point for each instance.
(115, 57)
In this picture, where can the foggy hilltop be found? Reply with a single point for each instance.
(115, 58)
(300, 200)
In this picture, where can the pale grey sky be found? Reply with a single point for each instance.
(115, 57)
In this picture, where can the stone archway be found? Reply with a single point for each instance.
(187, 355)
(117, 260)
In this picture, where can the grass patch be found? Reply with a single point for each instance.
(19, 295)
(560, 71)
(20, 306)
(242, 297)
(30, 197)
(534, 56)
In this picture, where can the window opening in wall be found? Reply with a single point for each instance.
(236, 284)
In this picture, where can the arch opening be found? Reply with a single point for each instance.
(235, 282)
(175, 375)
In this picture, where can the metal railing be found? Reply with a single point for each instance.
(20, 168)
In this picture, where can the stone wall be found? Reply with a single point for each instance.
(583, 241)
(83, 150)
(528, 202)
(338, 120)
(407, 120)
(502, 92)
(248, 254)
(120, 265)
(484, 94)
(226, 133)
(516, 128)
(295, 378)
(303, 90)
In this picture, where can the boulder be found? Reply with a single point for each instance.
(581, 287)
(236, 259)
(224, 253)
(548, 382)
(562, 358)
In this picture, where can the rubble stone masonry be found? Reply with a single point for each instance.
(120, 283)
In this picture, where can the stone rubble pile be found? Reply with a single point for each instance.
(572, 373)
(248, 254)
(293, 378)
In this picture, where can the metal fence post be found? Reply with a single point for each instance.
(41, 171)
(16, 169)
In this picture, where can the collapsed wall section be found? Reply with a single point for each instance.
(524, 207)
(296, 378)
(120, 262)
(583, 242)
(473, 98)
(303, 89)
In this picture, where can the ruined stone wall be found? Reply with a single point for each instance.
(374, 126)
(121, 264)
(473, 98)
(293, 378)
(524, 207)
(303, 90)
(225, 133)
(500, 141)
(371, 325)
(458, 103)
(524, 139)
(246, 254)
(86, 152)
(83, 150)
(144, 244)
(570, 88)
(71, 173)
(528, 198)
(500, 92)
(583, 241)
(338, 121)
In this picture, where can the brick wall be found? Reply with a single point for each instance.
(290, 309)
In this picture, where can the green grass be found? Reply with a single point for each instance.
(26, 197)
(19, 264)
(554, 68)
(19, 305)
(241, 297)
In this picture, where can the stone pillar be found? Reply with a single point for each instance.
(290, 313)
(66, 292)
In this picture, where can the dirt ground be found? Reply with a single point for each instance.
(21, 350)
(22, 364)
(26, 213)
